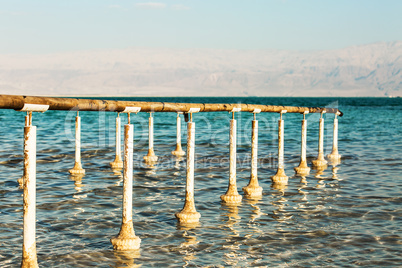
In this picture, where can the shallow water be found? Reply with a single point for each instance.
(348, 216)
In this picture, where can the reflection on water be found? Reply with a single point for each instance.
(77, 182)
(256, 210)
(187, 248)
(338, 215)
(127, 258)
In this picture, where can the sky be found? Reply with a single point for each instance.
(50, 26)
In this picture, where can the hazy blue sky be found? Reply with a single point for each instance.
(51, 26)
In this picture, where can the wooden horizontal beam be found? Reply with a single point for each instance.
(17, 102)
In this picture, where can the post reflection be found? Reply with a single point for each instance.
(127, 258)
(231, 219)
(280, 202)
(151, 169)
(320, 172)
(177, 164)
(334, 173)
(232, 213)
(256, 214)
(77, 179)
(187, 247)
(302, 191)
(119, 174)
(253, 202)
(117, 171)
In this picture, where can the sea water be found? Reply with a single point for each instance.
(349, 215)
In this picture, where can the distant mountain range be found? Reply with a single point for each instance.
(367, 70)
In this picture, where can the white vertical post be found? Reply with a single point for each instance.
(126, 239)
(151, 157)
(335, 157)
(178, 151)
(280, 176)
(253, 189)
(231, 195)
(303, 169)
(77, 169)
(320, 161)
(29, 258)
(117, 163)
(189, 214)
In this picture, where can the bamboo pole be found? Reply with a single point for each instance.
(17, 102)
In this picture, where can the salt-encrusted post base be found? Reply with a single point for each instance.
(188, 216)
(77, 169)
(126, 239)
(252, 189)
(320, 162)
(150, 158)
(280, 177)
(302, 169)
(117, 163)
(231, 196)
(178, 151)
(334, 157)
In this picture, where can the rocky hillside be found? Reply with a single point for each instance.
(369, 70)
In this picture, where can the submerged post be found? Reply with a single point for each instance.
(253, 189)
(303, 169)
(189, 214)
(280, 176)
(29, 258)
(77, 169)
(178, 151)
(117, 163)
(232, 196)
(126, 239)
(320, 161)
(335, 156)
(151, 157)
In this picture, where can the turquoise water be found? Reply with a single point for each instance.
(347, 216)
